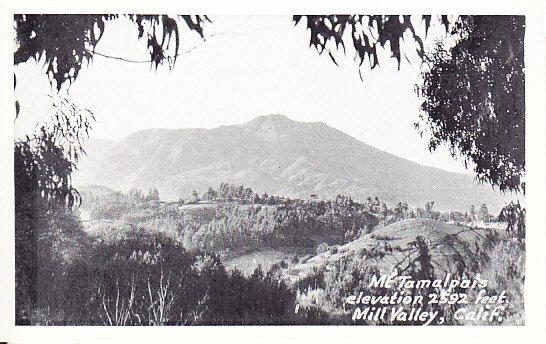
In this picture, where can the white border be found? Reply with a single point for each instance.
(535, 58)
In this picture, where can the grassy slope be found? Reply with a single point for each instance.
(499, 259)
(445, 240)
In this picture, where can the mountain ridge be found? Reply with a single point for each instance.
(319, 123)
(275, 154)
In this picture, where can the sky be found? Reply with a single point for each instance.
(246, 67)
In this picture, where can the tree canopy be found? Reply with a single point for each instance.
(474, 98)
(68, 41)
(473, 93)
(367, 34)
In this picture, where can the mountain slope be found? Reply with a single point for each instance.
(276, 155)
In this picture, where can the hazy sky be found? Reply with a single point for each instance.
(252, 66)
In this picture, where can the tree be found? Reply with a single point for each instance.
(43, 166)
(248, 195)
(399, 211)
(194, 197)
(264, 198)
(473, 93)
(472, 213)
(45, 160)
(429, 206)
(135, 195)
(514, 215)
(68, 41)
(210, 194)
(483, 213)
(153, 195)
(474, 98)
(384, 210)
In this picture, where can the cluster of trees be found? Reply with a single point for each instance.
(231, 193)
(138, 196)
(401, 211)
(472, 91)
(147, 279)
(116, 205)
(153, 280)
(352, 274)
(481, 215)
(241, 221)
(514, 215)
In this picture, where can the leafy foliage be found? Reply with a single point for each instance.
(474, 98)
(368, 32)
(43, 164)
(45, 160)
(67, 41)
(46, 245)
(514, 215)
(473, 93)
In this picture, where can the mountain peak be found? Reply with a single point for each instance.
(270, 127)
(276, 117)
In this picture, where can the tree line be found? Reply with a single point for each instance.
(234, 220)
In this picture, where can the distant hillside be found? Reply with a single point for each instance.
(276, 155)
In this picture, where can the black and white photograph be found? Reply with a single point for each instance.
(326, 169)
